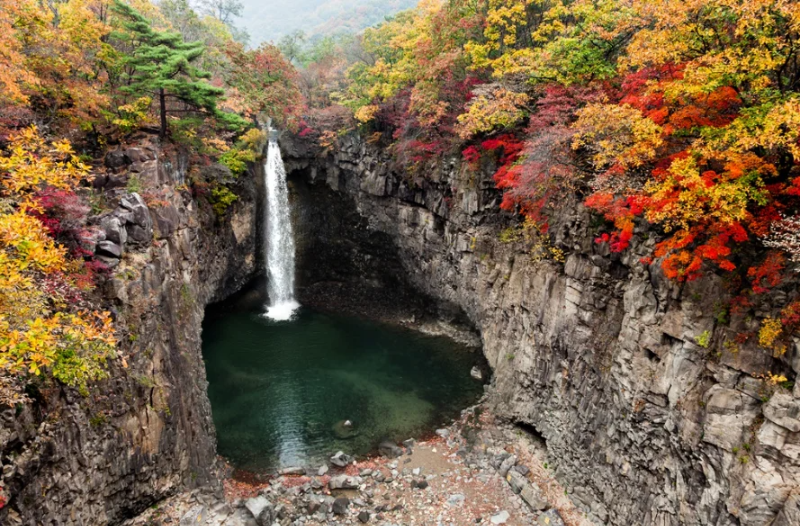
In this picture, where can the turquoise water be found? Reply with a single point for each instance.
(280, 391)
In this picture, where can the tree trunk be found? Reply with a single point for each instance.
(163, 101)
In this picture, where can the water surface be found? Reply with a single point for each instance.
(280, 391)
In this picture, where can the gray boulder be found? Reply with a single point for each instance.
(517, 481)
(507, 464)
(340, 459)
(261, 509)
(343, 482)
(109, 248)
(114, 230)
(389, 449)
(534, 498)
(340, 505)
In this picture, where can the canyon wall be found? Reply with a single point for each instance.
(145, 432)
(649, 416)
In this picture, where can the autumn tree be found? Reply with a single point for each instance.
(46, 327)
(161, 64)
(265, 83)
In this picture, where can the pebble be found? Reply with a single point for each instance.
(500, 518)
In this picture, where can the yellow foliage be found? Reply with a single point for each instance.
(38, 331)
(501, 109)
(687, 195)
(618, 135)
(32, 164)
(771, 329)
(366, 113)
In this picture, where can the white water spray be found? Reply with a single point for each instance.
(279, 240)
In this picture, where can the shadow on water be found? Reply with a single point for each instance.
(280, 391)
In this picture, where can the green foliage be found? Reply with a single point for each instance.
(236, 160)
(161, 65)
(704, 340)
(134, 184)
(131, 116)
(221, 199)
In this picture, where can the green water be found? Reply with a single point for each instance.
(280, 390)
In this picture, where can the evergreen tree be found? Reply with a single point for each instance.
(160, 64)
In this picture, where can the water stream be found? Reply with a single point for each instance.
(279, 240)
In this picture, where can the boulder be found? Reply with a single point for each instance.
(363, 517)
(516, 480)
(141, 215)
(109, 248)
(534, 498)
(340, 505)
(389, 449)
(114, 230)
(507, 464)
(343, 482)
(340, 459)
(476, 373)
(261, 509)
(522, 469)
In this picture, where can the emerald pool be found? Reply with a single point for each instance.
(281, 391)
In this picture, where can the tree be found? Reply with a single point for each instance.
(161, 64)
(265, 83)
(223, 10)
(293, 46)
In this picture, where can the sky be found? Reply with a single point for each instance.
(269, 20)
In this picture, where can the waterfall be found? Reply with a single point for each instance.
(279, 240)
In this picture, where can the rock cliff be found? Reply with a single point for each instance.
(145, 432)
(649, 416)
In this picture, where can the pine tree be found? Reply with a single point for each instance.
(160, 64)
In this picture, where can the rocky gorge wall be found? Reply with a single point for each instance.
(145, 432)
(649, 417)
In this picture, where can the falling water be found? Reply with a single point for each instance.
(279, 240)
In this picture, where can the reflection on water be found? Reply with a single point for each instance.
(281, 391)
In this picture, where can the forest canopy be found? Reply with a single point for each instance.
(676, 117)
(77, 76)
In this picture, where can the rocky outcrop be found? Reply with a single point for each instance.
(652, 413)
(145, 432)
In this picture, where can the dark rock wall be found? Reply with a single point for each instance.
(146, 432)
(596, 352)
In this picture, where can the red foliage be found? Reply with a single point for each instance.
(622, 212)
(768, 274)
(64, 215)
(471, 155)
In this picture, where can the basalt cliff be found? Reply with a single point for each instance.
(648, 417)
